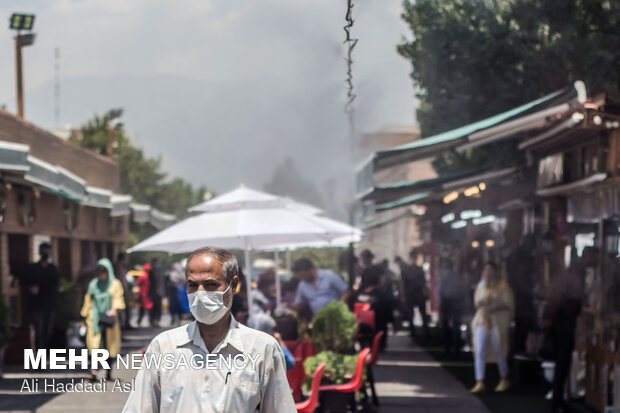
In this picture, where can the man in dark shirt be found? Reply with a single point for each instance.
(414, 291)
(561, 315)
(42, 286)
(520, 268)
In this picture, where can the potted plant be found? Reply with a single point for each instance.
(6, 330)
(333, 333)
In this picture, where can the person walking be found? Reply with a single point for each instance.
(212, 277)
(121, 272)
(494, 311)
(451, 294)
(42, 286)
(146, 305)
(175, 279)
(414, 291)
(560, 319)
(102, 303)
(520, 268)
(157, 291)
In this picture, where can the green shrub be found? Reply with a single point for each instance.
(333, 328)
(337, 366)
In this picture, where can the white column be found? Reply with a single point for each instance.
(289, 265)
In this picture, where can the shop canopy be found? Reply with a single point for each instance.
(396, 196)
(416, 190)
(19, 166)
(501, 126)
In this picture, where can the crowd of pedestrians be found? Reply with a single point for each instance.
(493, 311)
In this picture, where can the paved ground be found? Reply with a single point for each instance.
(407, 380)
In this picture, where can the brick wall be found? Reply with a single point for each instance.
(95, 169)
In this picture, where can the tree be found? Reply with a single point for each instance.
(473, 59)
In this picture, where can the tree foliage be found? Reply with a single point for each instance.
(475, 58)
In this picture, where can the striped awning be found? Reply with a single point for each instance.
(14, 157)
(120, 205)
(98, 197)
(71, 185)
(145, 213)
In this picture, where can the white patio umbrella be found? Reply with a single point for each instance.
(245, 229)
(246, 198)
(240, 198)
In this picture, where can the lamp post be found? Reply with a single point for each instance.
(113, 125)
(21, 22)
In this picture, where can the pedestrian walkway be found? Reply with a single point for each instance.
(408, 380)
(12, 399)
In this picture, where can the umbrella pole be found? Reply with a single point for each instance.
(248, 279)
(288, 262)
(276, 259)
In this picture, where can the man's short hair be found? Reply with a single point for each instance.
(367, 253)
(120, 256)
(43, 246)
(303, 264)
(266, 279)
(230, 267)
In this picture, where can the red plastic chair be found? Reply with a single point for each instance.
(371, 361)
(296, 377)
(357, 307)
(356, 381)
(301, 350)
(310, 404)
(366, 317)
(374, 354)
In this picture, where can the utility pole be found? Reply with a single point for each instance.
(18, 74)
(349, 109)
(21, 22)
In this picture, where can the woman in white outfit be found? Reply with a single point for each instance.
(494, 310)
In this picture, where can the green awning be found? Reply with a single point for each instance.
(423, 148)
(393, 192)
(408, 200)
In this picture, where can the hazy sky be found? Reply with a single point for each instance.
(223, 90)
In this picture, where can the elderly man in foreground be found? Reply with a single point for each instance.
(213, 364)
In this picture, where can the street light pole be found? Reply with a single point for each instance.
(19, 22)
(18, 74)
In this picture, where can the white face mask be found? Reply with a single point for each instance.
(208, 307)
